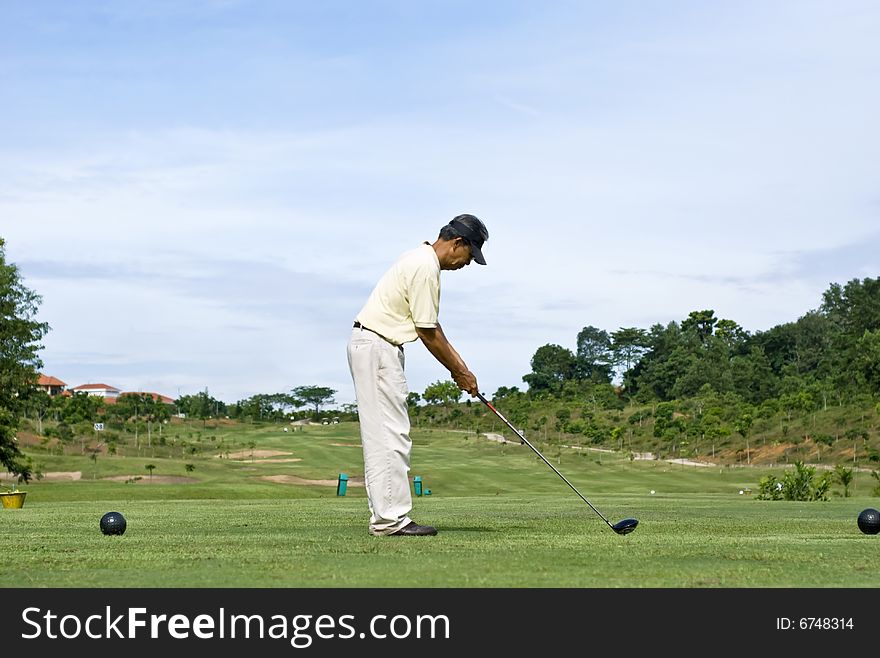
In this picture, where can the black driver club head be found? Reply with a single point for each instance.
(625, 527)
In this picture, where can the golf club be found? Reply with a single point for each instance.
(623, 527)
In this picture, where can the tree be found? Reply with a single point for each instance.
(446, 393)
(93, 455)
(158, 412)
(552, 365)
(844, 477)
(855, 307)
(658, 370)
(867, 359)
(505, 391)
(150, 468)
(594, 355)
(81, 408)
(731, 334)
(273, 406)
(628, 344)
(257, 406)
(39, 404)
(20, 336)
(699, 324)
(314, 395)
(284, 401)
(752, 376)
(743, 425)
(129, 408)
(201, 406)
(142, 406)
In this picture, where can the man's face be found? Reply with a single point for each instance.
(459, 255)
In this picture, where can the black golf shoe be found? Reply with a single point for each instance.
(414, 529)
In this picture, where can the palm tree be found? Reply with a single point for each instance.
(150, 468)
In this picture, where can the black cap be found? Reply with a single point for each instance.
(474, 231)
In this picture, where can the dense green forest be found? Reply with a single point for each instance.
(829, 355)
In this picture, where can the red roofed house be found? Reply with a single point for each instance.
(100, 390)
(52, 385)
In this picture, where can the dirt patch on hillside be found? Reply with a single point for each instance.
(758, 454)
(28, 438)
(769, 454)
(156, 479)
(295, 479)
(214, 423)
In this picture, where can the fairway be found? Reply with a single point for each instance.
(505, 520)
(498, 541)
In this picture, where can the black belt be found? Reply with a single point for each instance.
(358, 325)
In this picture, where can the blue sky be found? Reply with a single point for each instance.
(205, 192)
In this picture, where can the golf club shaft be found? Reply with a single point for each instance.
(544, 459)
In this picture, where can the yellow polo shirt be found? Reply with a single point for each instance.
(407, 296)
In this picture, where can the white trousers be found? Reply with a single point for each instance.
(381, 390)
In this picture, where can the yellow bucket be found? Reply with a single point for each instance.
(13, 499)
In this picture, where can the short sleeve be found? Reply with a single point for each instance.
(424, 298)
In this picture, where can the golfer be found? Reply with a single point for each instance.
(404, 306)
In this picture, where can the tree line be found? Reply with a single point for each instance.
(262, 406)
(74, 415)
(828, 355)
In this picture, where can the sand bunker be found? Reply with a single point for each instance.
(272, 461)
(53, 476)
(295, 479)
(247, 454)
(499, 438)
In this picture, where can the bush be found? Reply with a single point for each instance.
(797, 484)
(61, 432)
(769, 488)
(576, 426)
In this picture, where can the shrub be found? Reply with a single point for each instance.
(797, 484)
(769, 488)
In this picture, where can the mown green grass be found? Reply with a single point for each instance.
(505, 520)
(510, 541)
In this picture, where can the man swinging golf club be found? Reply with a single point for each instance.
(403, 307)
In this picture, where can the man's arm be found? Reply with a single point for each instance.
(437, 344)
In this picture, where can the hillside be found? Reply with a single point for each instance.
(695, 429)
